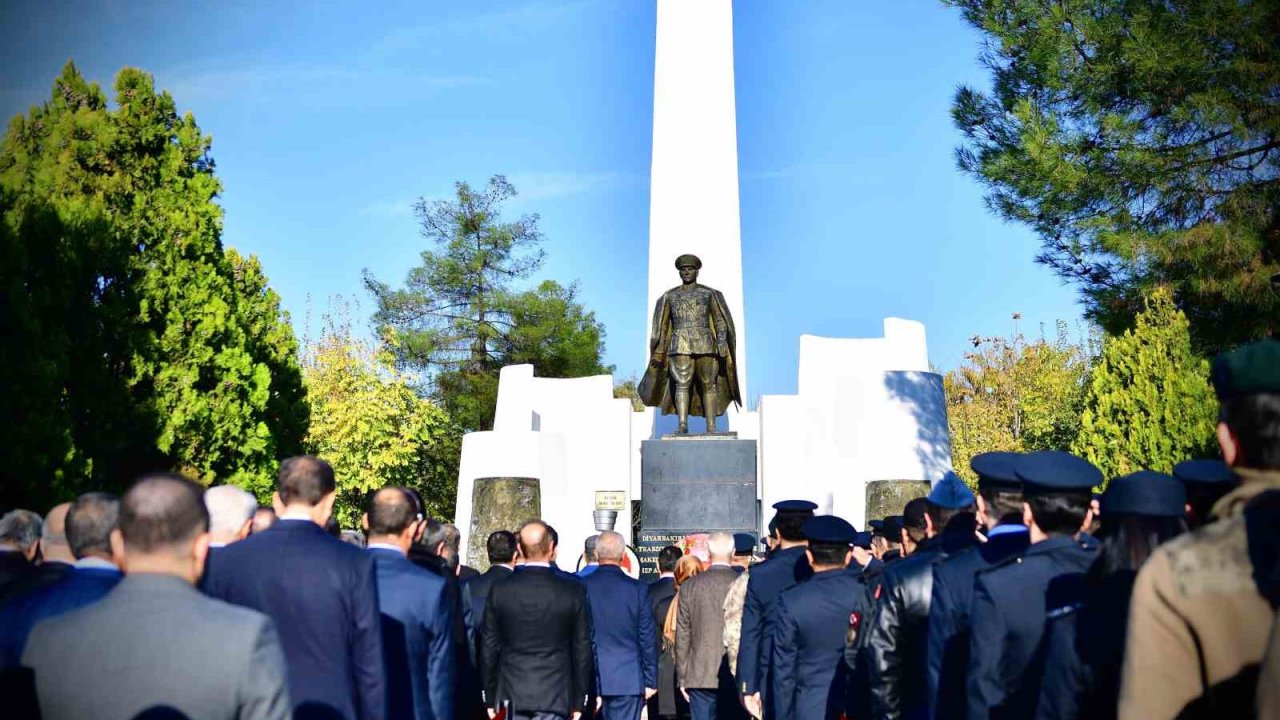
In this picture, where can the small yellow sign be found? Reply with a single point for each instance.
(611, 500)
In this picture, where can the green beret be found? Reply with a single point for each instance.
(1247, 370)
(687, 259)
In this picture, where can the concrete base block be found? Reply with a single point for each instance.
(499, 503)
(887, 497)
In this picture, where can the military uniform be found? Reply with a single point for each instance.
(810, 681)
(786, 569)
(733, 604)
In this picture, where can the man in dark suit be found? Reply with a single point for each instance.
(89, 523)
(536, 638)
(624, 637)
(154, 646)
(19, 544)
(55, 556)
(1000, 512)
(667, 703)
(785, 569)
(501, 548)
(320, 591)
(431, 552)
(417, 619)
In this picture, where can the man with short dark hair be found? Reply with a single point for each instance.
(417, 619)
(536, 659)
(1000, 513)
(89, 524)
(501, 549)
(1199, 622)
(19, 544)
(661, 591)
(788, 567)
(895, 650)
(1011, 599)
(915, 528)
(624, 640)
(320, 591)
(589, 556)
(132, 654)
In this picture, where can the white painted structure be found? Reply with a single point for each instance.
(573, 436)
(693, 181)
(866, 409)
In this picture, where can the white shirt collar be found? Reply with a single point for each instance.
(538, 564)
(217, 544)
(96, 563)
(296, 515)
(384, 546)
(666, 575)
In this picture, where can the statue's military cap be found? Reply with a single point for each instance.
(995, 470)
(1203, 472)
(829, 530)
(687, 260)
(1055, 471)
(1247, 370)
(1145, 493)
(950, 493)
(743, 543)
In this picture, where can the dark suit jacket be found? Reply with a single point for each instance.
(480, 586)
(466, 572)
(417, 637)
(13, 565)
(661, 592)
(623, 637)
(323, 597)
(19, 616)
(536, 639)
(42, 575)
(466, 700)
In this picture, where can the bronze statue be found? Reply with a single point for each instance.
(693, 344)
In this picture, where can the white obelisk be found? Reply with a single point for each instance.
(693, 185)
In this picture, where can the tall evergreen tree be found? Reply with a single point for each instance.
(1140, 139)
(1149, 405)
(460, 318)
(138, 343)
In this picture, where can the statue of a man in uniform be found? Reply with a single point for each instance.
(692, 366)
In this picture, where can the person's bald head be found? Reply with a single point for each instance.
(164, 527)
(391, 513)
(610, 548)
(535, 541)
(53, 536)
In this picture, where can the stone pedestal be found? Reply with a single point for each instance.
(691, 484)
(888, 497)
(499, 503)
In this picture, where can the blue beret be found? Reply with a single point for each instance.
(1208, 472)
(743, 543)
(995, 470)
(863, 540)
(795, 506)
(950, 493)
(1055, 471)
(1145, 493)
(1247, 370)
(830, 530)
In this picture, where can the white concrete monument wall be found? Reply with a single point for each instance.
(570, 434)
(866, 409)
(693, 182)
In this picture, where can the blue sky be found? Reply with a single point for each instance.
(328, 120)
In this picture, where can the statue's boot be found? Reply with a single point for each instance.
(682, 411)
(710, 403)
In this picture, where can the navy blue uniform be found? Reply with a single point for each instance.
(948, 644)
(810, 625)
(1085, 653)
(786, 569)
(1011, 602)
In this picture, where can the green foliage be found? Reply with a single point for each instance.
(1140, 139)
(1149, 404)
(370, 424)
(458, 317)
(137, 342)
(1016, 396)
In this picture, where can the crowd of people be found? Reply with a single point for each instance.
(1031, 598)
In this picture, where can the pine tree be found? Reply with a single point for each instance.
(1149, 404)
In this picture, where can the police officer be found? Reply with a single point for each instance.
(744, 548)
(895, 651)
(1206, 482)
(811, 622)
(1000, 514)
(1010, 600)
(1085, 639)
(789, 566)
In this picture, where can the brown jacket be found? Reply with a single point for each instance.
(1198, 627)
(700, 627)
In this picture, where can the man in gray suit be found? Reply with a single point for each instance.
(154, 644)
(702, 668)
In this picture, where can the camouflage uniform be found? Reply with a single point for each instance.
(733, 604)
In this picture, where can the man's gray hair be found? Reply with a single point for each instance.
(20, 528)
(90, 520)
(229, 508)
(720, 545)
(610, 547)
(589, 548)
